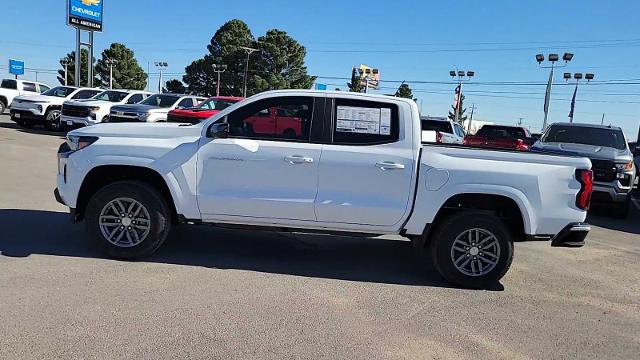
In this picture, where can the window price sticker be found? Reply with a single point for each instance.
(363, 120)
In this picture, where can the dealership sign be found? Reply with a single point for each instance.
(16, 67)
(85, 14)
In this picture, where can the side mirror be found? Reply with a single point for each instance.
(219, 131)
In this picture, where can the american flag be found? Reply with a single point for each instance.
(456, 98)
(573, 103)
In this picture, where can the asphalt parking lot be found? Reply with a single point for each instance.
(217, 293)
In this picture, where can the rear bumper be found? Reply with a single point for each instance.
(572, 235)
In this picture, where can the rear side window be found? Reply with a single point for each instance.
(86, 94)
(186, 103)
(502, 132)
(43, 88)
(134, 99)
(435, 125)
(9, 84)
(31, 87)
(362, 122)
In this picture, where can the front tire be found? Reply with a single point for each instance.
(52, 120)
(472, 249)
(128, 220)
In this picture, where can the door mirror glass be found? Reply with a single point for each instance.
(219, 131)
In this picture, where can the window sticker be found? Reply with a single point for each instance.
(363, 120)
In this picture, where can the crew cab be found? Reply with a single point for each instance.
(357, 166)
(45, 109)
(501, 137)
(446, 131)
(204, 110)
(153, 109)
(79, 113)
(10, 88)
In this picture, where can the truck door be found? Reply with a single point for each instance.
(256, 172)
(366, 171)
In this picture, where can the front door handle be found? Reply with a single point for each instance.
(388, 165)
(298, 159)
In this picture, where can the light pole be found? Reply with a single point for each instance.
(246, 68)
(219, 69)
(547, 97)
(462, 76)
(577, 77)
(161, 66)
(110, 63)
(65, 62)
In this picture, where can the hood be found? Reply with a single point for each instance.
(39, 98)
(138, 108)
(589, 151)
(194, 112)
(140, 130)
(86, 102)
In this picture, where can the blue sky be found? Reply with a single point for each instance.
(413, 41)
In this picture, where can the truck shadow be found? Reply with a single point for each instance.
(34, 130)
(27, 232)
(600, 217)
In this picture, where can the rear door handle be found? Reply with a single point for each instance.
(388, 165)
(298, 159)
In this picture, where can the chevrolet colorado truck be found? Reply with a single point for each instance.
(357, 167)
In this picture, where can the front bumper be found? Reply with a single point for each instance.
(572, 235)
(76, 122)
(609, 193)
(31, 116)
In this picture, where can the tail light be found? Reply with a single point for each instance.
(439, 137)
(585, 177)
(521, 145)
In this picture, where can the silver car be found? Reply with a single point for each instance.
(612, 161)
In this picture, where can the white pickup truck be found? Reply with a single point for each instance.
(356, 165)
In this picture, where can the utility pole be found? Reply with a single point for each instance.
(219, 69)
(110, 63)
(246, 68)
(160, 65)
(473, 108)
(602, 121)
(547, 97)
(65, 62)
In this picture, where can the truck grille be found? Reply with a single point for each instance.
(120, 119)
(603, 170)
(75, 111)
(183, 119)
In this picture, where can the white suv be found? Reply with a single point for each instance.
(79, 113)
(447, 131)
(10, 88)
(44, 109)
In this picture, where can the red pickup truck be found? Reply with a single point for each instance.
(501, 137)
(204, 110)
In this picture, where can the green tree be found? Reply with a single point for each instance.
(175, 86)
(224, 48)
(280, 64)
(461, 110)
(71, 69)
(127, 73)
(404, 91)
(356, 81)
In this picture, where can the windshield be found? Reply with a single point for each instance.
(164, 101)
(435, 125)
(112, 96)
(216, 104)
(613, 138)
(502, 132)
(59, 91)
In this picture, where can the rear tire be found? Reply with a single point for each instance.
(137, 234)
(472, 249)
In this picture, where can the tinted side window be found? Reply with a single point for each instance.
(186, 103)
(31, 87)
(86, 94)
(282, 118)
(134, 99)
(359, 122)
(43, 88)
(9, 84)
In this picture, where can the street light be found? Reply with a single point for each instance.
(246, 68)
(110, 63)
(219, 69)
(161, 66)
(461, 74)
(553, 58)
(577, 77)
(65, 62)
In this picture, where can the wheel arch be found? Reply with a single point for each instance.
(102, 175)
